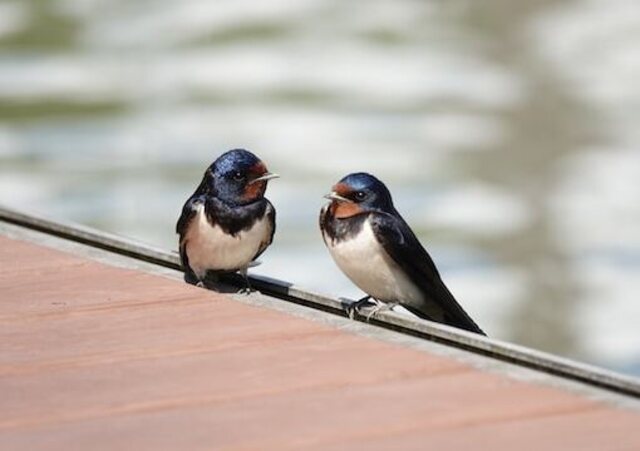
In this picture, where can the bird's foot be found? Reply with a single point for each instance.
(200, 284)
(245, 291)
(248, 289)
(354, 307)
(381, 307)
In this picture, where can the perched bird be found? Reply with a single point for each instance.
(227, 222)
(373, 245)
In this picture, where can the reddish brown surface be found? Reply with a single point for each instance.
(96, 357)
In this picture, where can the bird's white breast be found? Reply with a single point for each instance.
(210, 248)
(363, 259)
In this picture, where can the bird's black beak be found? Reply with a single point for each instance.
(335, 196)
(265, 177)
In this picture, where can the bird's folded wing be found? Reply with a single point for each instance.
(188, 213)
(403, 247)
(271, 220)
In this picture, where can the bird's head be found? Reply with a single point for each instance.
(238, 177)
(359, 193)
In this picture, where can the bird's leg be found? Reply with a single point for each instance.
(354, 307)
(247, 289)
(381, 307)
(200, 284)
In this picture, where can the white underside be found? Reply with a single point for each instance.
(363, 259)
(209, 248)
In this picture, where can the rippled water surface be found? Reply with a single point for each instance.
(507, 132)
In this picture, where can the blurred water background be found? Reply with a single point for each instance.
(508, 132)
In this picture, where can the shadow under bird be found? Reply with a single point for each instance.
(227, 222)
(373, 245)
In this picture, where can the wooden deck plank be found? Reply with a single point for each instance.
(591, 430)
(99, 357)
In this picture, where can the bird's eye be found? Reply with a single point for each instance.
(238, 175)
(360, 195)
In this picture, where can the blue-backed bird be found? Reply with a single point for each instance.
(373, 245)
(227, 222)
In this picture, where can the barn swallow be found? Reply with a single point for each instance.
(373, 245)
(227, 222)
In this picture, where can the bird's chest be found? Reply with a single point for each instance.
(210, 248)
(363, 259)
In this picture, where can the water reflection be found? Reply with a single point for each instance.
(546, 127)
(512, 155)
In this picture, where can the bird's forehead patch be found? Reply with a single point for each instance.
(259, 168)
(342, 189)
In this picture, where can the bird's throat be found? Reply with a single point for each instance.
(343, 210)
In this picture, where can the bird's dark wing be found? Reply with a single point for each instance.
(403, 247)
(270, 212)
(190, 206)
(189, 211)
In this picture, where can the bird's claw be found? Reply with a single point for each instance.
(354, 307)
(381, 307)
(248, 289)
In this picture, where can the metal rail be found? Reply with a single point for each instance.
(519, 355)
